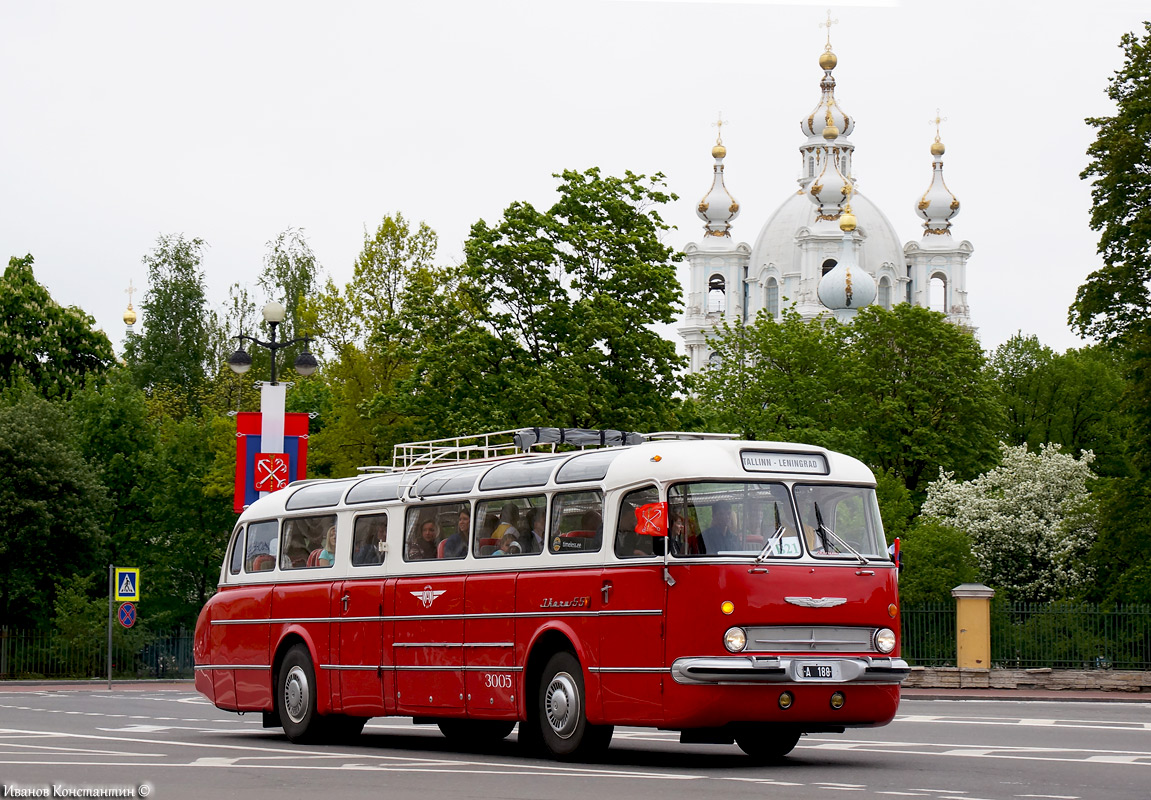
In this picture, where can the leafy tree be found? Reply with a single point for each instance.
(938, 558)
(920, 394)
(171, 355)
(367, 333)
(1115, 299)
(550, 315)
(1029, 519)
(51, 504)
(777, 379)
(1072, 399)
(51, 347)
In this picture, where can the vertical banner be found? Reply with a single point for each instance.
(249, 450)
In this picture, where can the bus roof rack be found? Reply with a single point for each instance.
(503, 444)
(687, 435)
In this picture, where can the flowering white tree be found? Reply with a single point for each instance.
(1029, 520)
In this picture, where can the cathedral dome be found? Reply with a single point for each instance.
(776, 243)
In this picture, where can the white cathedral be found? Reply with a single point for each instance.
(827, 248)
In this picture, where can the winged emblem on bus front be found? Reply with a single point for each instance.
(815, 602)
(428, 595)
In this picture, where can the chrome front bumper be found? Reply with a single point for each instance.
(776, 669)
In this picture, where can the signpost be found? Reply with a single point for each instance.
(123, 587)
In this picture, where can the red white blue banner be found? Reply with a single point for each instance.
(248, 453)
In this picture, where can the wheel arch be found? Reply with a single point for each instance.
(547, 643)
(290, 639)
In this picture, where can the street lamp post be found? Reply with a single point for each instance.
(273, 393)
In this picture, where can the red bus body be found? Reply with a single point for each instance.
(472, 640)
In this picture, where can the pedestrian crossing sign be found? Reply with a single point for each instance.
(127, 583)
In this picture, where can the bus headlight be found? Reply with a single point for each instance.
(885, 640)
(735, 639)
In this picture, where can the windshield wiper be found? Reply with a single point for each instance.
(759, 559)
(825, 531)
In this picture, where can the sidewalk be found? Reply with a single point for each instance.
(1017, 695)
(97, 685)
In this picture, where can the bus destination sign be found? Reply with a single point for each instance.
(765, 461)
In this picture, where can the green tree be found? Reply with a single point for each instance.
(938, 558)
(51, 504)
(921, 395)
(551, 315)
(1115, 299)
(51, 347)
(171, 356)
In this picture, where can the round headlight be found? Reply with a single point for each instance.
(885, 640)
(735, 639)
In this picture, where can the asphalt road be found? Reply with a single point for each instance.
(176, 745)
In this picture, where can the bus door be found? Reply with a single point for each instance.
(489, 636)
(246, 647)
(358, 604)
(429, 641)
(632, 619)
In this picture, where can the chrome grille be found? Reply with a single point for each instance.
(809, 639)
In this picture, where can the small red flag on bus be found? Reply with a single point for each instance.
(651, 520)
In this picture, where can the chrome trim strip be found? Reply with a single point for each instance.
(233, 666)
(453, 644)
(367, 668)
(639, 612)
(628, 670)
(774, 669)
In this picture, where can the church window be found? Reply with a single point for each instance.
(773, 298)
(829, 265)
(716, 293)
(885, 292)
(937, 293)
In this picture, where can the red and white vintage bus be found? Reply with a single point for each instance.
(735, 591)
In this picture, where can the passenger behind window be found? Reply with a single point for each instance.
(723, 533)
(327, 555)
(509, 546)
(628, 543)
(422, 545)
(532, 540)
(456, 545)
(509, 519)
(295, 551)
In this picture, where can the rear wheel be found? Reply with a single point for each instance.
(296, 696)
(563, 727)
(767, 743)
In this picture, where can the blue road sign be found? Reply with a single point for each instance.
(127, 583)
(127, 615)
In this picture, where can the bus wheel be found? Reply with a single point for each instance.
(475, 732)
(296, 696)
(765, 743)
(563, 726)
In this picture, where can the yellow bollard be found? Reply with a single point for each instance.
(973, 625)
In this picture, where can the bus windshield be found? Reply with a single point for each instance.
(841, 521)
(713, 518)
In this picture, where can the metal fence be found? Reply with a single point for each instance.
(1036, 635)
(45, 654)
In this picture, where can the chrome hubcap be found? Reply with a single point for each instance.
(297, 694)
(561, 704)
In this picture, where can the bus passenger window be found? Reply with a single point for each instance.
(628, 543)
(261, 546)
(309, 542)
(512, 526)
(439, 531)
(370, 540)
(576, 523)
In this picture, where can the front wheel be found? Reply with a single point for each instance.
(563, 726)
(296, 696)
(765, 743)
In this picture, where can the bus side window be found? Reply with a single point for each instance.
(628, 543)
(261, 546)
(237, 561)
(511, 526)
(576, 523)
(370, 540)
(309, 542)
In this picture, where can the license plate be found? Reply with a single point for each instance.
(817, 671)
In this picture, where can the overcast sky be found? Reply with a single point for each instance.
(232, 121)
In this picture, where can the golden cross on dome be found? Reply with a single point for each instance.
(828, 25)
(130, 291)
(938, 119)
(718, 125)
